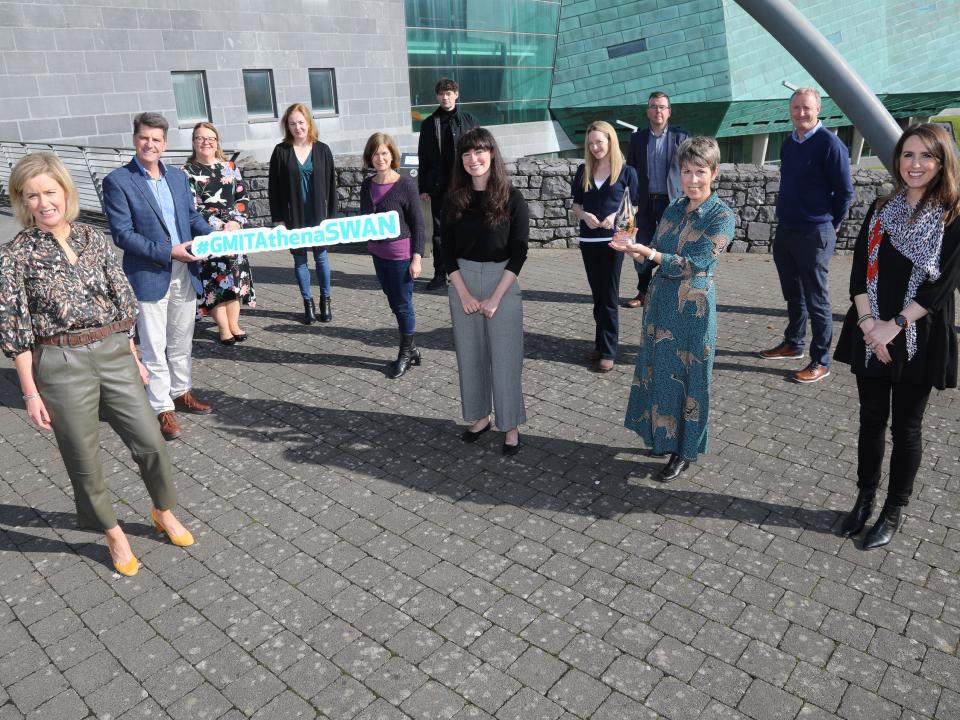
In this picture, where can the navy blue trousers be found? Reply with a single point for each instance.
(656, 204)
(603, 264)
(394, 277)
(802, 258)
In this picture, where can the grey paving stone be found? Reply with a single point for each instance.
(676, 700)
(431, 701)
(537, 669)
(632, 637)
(342, 699)
(856, 667)
(589, 654)
(512, 613)
(763, 701)
(933, 633)
(675, 658)
(942, 669)
(37, 688)
(489, 688)
(116, 696)
(94, 672)
(362, 657)
(549, 633)
(720, 641)
(253, 690)
(721, 681)
(718, 606)
(226, 666)
(767, 663)
(808, 646)
(593, 617)
(528, 704)
(65, 706)
(498, 647)
(74, 648)
(817, 686)
(859, 704)
(677, 588)
(450, 664)
(202, 703)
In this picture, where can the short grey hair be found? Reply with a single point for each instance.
(808, 91)
(701, 151)
(151, 120)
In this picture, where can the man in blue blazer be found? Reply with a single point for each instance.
(153, 219)
(653, 154)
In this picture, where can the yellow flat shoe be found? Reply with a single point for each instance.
(185, 539)
(130, 568)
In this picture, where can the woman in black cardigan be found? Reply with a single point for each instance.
(303, 193)
(898, 336)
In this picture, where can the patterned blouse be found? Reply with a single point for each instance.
(42, 294)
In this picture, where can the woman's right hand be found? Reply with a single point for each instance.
(37, 412)
(590, 220)
(470, 303)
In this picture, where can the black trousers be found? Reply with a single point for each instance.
(602, 264)
(656, 204)
(908, 404)
(436, 212)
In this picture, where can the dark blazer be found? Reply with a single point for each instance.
(137, 227)
(637, 159)
(431, 178)
(286, 204)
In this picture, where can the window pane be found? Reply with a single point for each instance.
(529, 16)
(465, 48)
(323, 97)
(482, 84)
(258, 88)
(190, 95)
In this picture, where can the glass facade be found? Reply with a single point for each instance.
(501, 52)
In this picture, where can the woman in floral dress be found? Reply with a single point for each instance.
(670, 397)
(222, 200)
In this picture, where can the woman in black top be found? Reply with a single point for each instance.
(486, 227)
(303, 193)
(898, 337)
(598, 189)
(395, 260)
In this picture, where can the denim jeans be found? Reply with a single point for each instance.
(301, 269)
(394, 277)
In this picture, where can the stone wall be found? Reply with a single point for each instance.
(751, 190)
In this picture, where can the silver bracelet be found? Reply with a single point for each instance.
(31, 396)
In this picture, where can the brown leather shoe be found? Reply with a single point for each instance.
(811, 373)
(635, 302)
(783, 351)
(169, 427)
(189, 403)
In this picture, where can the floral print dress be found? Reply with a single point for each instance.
(669, 404)
(221, 196)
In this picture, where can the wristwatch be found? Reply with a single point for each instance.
(901, 321)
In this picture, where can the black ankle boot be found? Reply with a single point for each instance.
(885, 528)
(326, 309)
(309, 312)
(673, 468)
(853, 523)
(408, 355)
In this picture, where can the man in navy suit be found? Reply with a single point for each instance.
(653, 154)
(153, 219)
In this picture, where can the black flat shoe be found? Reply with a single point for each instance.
(468, 436)
(241, 337)
(228, 341)
(855, 520)
(673, 468)
(652, 454)
(885, 528)
(510, 450)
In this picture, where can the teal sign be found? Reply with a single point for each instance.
(360, 228)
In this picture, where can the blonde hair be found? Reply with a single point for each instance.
(312, 133)
(212, 128)
(34, 165)
(374, 143)
(616, 157)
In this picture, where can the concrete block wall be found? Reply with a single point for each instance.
(79, 73)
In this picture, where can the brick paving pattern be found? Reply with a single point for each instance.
(355, 560)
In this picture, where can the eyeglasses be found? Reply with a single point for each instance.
(658, 107)
(205, 140)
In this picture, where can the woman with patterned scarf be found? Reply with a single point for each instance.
(898, 336)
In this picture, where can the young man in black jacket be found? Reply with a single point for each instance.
(437, 152)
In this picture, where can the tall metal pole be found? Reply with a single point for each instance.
(840, 81)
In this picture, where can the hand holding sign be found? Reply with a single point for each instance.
(333, 231)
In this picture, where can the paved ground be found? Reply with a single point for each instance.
(355, 560)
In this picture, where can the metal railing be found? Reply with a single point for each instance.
(88, 165)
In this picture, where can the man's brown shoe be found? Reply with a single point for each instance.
(189, 403)
(783, 351)
(811, 373)
(635, 302)
(169, 427)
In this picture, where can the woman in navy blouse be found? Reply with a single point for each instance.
(598, 189)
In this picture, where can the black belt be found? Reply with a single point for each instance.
(658, 196)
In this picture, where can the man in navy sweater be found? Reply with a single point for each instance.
(815, 194)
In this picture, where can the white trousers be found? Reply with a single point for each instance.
(166, 339)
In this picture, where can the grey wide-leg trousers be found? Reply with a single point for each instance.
(489, 350)
(77, 384)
